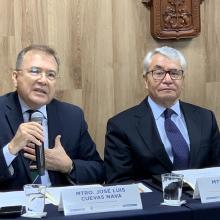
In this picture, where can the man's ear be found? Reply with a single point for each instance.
(14, 78)
(145, 82)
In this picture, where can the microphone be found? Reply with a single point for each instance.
(39, 150)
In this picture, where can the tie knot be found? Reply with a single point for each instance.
(167, 113)
(30, 112)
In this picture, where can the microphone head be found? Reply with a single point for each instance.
(37, 117)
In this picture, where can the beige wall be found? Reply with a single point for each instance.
(101, 44)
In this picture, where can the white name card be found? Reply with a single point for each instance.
(100, 199)
(208, 189)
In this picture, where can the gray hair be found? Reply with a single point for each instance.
(169, 52)
(43, 48)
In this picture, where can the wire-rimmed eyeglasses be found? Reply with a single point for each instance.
(38, 72)
(160, 74)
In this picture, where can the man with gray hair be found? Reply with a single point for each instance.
(162, 133)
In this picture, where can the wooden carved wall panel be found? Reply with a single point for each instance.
(174, 19)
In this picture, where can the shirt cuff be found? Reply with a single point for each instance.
(8, 156)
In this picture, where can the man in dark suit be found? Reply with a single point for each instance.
(138, 144)
(70, 153)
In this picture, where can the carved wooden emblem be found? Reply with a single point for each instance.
(174, 19)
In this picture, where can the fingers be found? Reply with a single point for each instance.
(57, 141)
(31, 145)
(30, 151)
(33, 167)
(34, 129)
(56, 157)
(30, 148)
(26, 133)
(30, 156)
(34, 140)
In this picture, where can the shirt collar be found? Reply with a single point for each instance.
(158, 109)
(25, 107)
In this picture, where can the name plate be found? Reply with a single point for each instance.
(208, 189)
(100, 199)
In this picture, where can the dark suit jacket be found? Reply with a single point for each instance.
(64, 119)
(134, 150)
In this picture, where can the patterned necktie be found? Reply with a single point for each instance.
(179, 146)
(35, 177)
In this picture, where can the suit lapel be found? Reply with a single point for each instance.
(192, 120)
(54, 128)
(14, 115)
(147, 129)
(13, 112)
(53, 123)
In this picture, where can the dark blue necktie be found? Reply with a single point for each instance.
(35, 177)
(179, 146)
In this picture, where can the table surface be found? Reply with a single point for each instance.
(152, 210)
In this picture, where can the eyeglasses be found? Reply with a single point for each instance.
(160, 74)
(38, 72)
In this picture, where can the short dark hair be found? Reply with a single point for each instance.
(43, 48)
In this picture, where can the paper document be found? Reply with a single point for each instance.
(12, 198)
(191, 175)
(52, 195)
(142, 188)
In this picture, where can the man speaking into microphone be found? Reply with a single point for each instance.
(61, 138)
